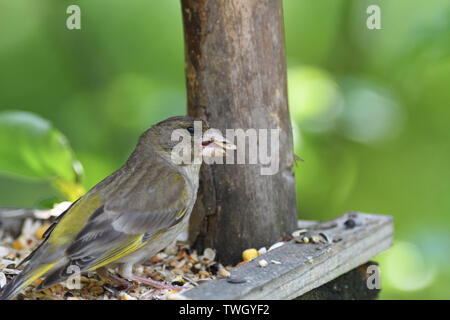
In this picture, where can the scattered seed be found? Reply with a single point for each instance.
(326, 237)
(203, 274)
(41, 230)
(262, 263)
(297, 233)
(97, 290)
(209, 254)
(250, 254)
(276, 245)
(193, 257)
(175, 296)
(350, 224)
(190, 280)
(180, 264)
(139, 269)
(173, 262)
(236, 280)
(10, 271)
(179, 271)
(3, 251)
(213, 269)
(18, 245)
(126, 296)
(171, 250)
(110, 290)
(158, 257)
(198, 266)
(224, 273)
(262, 250)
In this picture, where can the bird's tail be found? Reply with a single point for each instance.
(24, 279)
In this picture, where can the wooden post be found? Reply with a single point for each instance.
(236, 78)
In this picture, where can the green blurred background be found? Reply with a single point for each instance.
(370, 110)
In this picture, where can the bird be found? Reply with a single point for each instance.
(130, 215)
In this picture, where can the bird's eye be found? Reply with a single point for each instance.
(190, 129)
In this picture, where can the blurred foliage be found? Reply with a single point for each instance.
(31, 148)
(369, 108)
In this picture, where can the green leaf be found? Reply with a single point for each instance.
(30, 147)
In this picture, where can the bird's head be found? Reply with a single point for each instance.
(181, 137)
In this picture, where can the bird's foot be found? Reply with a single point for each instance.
(125, 281)
(123, 284)
(154, 283)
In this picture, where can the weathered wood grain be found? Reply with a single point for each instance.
(305, 266)
(236, 78)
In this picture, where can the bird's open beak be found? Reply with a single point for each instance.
(214, 144)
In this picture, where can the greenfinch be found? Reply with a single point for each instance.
(129, 216)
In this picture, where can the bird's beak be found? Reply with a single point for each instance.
(214, 144)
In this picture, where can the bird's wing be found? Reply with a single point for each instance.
(137, 207)
(144, 205)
